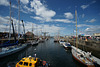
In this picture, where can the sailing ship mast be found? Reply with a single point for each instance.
(58, 37)
(79, 54)
(18, 19)
(13, 31)
(32, 30)
(76, 29)
(10, 22)
(24, 30)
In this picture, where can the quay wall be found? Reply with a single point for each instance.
(90, 46)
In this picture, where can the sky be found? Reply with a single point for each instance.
(52, 16)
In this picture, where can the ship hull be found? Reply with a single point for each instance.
(67, 48)
(81, 61)
(12, 51)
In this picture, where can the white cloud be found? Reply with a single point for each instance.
(42, 11)
(91, 21)
(23, 8)
(24, 11)
(37, 18)
(52, 29)
(25, 1)
(93, 29)
(4, 2)
(90, 28)
(68, 15)
(63, 20)
(45, 15)
(86, 6)
(87, 21)
(4, 28)
(87, 29)
(14, 6)
(4, 20)
(83, 15)
(83, 25)
(28, 9)
(92, 2)
(53, 20)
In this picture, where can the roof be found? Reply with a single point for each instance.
(29, 33)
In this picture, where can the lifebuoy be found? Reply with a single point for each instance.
(44, 63)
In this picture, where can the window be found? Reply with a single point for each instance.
(20, 63)
(30, 64)
(23, 59)
(25, 63)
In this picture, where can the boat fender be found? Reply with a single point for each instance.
(44, 63)
(92, 60)
(18, 66)
(83, 60)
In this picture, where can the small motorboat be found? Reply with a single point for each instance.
(34, 43)
(61, 42)
(67, 45)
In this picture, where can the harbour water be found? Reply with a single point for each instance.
(52, 52)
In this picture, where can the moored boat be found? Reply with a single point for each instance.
(79, 54)
(34, 43)
(92, 58)
(30, 62)
(11, 50)
(61, 42)
(56, 40)
(28, 43)
(67, 45)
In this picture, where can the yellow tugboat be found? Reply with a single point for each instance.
(30, 62)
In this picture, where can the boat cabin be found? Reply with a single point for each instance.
(28, 62)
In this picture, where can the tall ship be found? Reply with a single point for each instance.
(8, 47)
(78, 54)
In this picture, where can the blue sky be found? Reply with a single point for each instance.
(52, 16)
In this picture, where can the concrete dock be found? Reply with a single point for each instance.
(90, 46)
